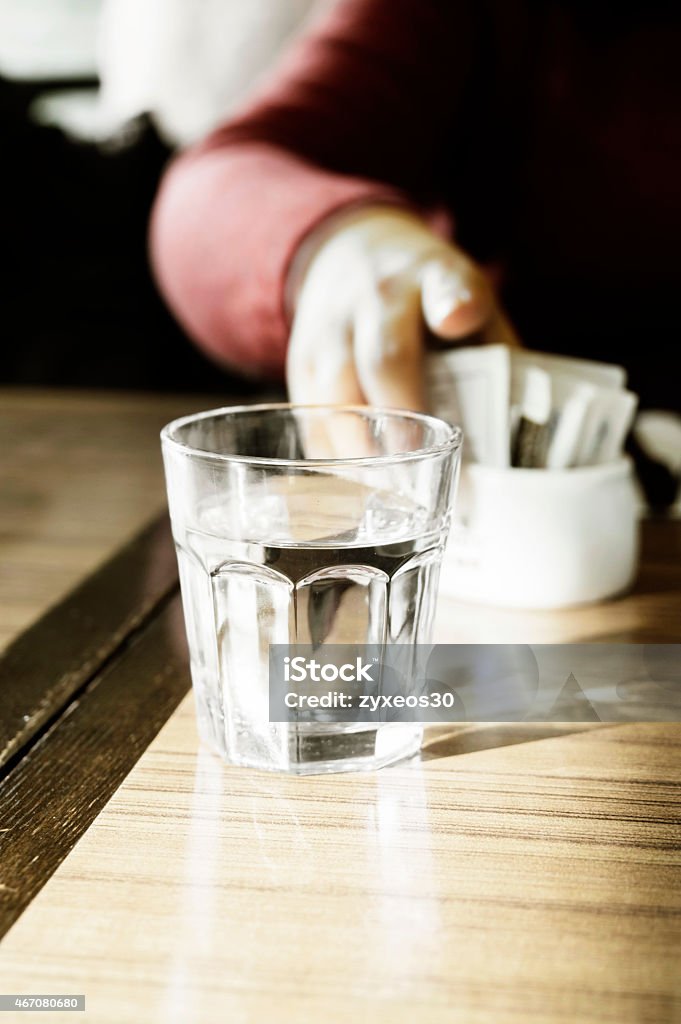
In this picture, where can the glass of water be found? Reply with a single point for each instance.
(304, 525)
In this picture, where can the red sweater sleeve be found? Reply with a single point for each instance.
(357, 112)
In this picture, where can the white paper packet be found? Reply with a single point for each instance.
(591, 412)
(570, 416)
(471, 386)
(605, 375)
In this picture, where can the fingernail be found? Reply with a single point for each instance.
(447, 297)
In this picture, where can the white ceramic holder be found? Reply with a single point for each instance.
(532, 538)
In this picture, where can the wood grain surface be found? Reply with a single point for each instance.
(523, 881)
(512, 873)
(80, 474)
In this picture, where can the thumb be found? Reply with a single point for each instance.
(455, 295)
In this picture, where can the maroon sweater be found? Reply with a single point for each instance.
(547, 130)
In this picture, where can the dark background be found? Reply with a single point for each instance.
(80, 307)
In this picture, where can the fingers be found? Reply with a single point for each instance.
(455, 295)
(358, 332)
(389, 349)
(320, 370)
(320, 364)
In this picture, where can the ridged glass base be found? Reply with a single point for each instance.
(316, 750)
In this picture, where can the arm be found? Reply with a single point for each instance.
(355, 115)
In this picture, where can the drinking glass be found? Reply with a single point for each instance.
(304, 525)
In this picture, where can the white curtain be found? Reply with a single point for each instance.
(189, 62)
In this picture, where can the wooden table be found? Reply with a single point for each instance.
(79, 476)
(514, 873)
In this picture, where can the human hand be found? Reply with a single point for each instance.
(375, 279)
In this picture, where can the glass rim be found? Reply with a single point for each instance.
(452, 442)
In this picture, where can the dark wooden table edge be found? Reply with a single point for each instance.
(82, 694)
(46, 667)
(56, 790)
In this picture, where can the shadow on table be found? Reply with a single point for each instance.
(452, 740)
